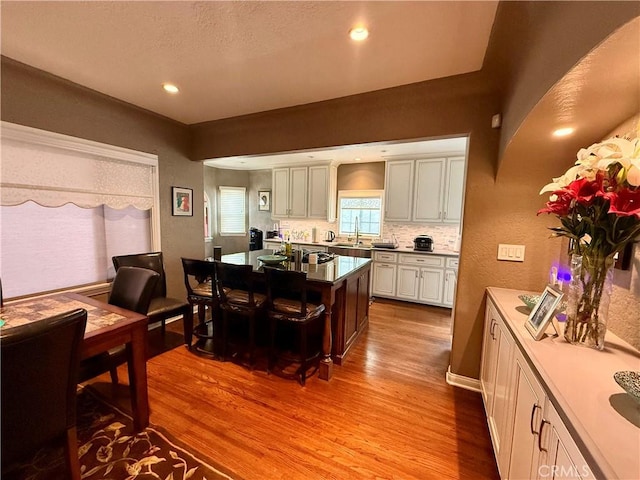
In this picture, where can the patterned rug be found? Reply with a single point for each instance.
(108, 449)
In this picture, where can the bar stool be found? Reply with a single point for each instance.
(288, 308)
(238, 298)
(199, 278)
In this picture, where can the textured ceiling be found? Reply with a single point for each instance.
(234, 58)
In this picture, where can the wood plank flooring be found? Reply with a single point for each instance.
(387, 413)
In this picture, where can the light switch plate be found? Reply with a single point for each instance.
(511, 253)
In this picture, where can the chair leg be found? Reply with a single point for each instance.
(71, 453)
(225, 334)
(252, 339)
(272, 345)
(303, 354)
(187, 325)
(113, 372)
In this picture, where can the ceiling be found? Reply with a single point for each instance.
(233, 58)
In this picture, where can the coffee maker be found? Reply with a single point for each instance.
(255, 239)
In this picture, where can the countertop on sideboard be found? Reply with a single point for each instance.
(400, 249)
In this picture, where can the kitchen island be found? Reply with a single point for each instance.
(342, 285)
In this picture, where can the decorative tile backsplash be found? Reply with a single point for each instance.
(445, 237)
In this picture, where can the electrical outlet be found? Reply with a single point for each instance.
(511, 253)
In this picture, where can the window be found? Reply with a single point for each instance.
(366, 206)
(51, 248)
(68, 205)
(232, 210)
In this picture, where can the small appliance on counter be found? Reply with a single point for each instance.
(275, 233)
(423, 243)
(329, 236)
(255, 239)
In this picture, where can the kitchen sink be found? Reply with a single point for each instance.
(345, 244)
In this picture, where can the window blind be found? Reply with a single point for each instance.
(232, 210)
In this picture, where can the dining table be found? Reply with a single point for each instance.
(108, 326)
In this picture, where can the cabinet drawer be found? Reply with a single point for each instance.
(452, 262)
(422, 260)
(385, 257)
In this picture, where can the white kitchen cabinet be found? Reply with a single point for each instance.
(408, 282)
(529, 437)
(495, 382)
(384, 279)
(398, 191)
(431, 280)
(453, 192)
(425, 190)
(429, 185)
(323, 184)
(289, 192)
(450, 280)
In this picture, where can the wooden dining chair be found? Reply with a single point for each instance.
(132, 289)
(39, 380)
(289, 309)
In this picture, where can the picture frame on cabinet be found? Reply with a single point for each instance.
(543, 312)
(182, 201)
(264, 200)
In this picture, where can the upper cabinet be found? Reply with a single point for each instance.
(426, 190)
(304, 192)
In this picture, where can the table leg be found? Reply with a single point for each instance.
(137, 365)
(187, 325)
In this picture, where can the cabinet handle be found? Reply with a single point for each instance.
(493, 325)
(439, 214)
(445, 214)
(542, 424)
(533, 411)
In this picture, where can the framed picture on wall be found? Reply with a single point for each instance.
(542, 313)
(182, 201)
(264, 200)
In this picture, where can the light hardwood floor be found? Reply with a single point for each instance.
(387, 413)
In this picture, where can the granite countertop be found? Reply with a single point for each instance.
(400, 249)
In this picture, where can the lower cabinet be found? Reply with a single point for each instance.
(529, 438)
(414, 277)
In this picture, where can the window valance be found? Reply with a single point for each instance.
(52, 170)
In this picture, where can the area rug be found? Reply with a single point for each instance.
(108, 449)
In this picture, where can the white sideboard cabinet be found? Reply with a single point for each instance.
(553, 409)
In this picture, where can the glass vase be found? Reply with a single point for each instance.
(588, 300)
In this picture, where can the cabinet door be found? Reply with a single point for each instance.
(318, 188)
(450, 279)
(501, 412)
(384, 279)
(431, 285)
(427, 203)
(298, 192)
(280, 196)
(529, 401)
(454, 190)
(398, 190)
(559, 454)
(489, 354)
(408, 281)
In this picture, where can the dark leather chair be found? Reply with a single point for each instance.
(239, 299)
(199, 279)
(132, 288)
(39, 381)
(161, 307)
(288, 309)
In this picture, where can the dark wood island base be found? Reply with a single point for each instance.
(343, 285)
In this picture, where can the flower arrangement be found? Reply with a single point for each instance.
(598, 204)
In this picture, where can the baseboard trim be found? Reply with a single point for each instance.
(461, 381)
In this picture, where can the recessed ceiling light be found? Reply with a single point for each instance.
(563, 132)
(170, 87)
(358, 33)
(357, 159)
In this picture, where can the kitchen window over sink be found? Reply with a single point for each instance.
(363, 205)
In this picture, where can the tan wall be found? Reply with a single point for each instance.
(36, 99)
(361, 176)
